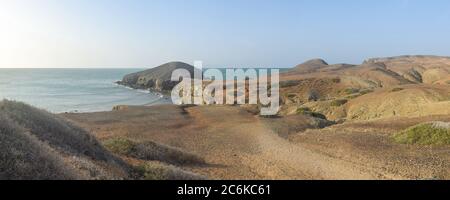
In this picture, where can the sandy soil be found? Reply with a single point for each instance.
(239, 145)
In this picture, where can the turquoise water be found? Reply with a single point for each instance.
(72, 90)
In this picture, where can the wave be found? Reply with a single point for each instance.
(160, 95)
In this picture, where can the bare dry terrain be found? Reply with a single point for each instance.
(338, 121)
(388, 118)
(239, 145)
(38, 145)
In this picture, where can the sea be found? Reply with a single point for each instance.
(73, 90)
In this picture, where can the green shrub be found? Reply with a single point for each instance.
(120, 146)
(291, 83)
(303, 110)
(354, 96)
(364, 92)
(151, 151)
(160, 171)
(424, 134)
(350, 91)
(291, 95)
(338, 102)
(336, 80)
(318, 115)
(307, 111)
(153, 171)
(358, 94)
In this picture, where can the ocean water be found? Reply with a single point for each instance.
(73, 90)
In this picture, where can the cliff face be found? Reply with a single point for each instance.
(157, 78)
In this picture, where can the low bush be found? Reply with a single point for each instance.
(120, 146)
(336, 80)
(291, 83)
(307, 111)
(160, 171)
(364, 92)
(435, 133)
(151, 151)
(338, 102)
(291, 95)
(350, 91)
(303, 110)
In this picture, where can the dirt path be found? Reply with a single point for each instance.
(248, 149)
(239, 145)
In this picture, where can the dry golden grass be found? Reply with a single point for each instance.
(160, 171)
(38, 145)
(151, 151)
(23, 156)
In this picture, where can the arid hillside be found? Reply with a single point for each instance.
(418, 69)
(237, 144)
(37, 145)
(406, 86)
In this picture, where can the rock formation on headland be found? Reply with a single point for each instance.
(158, 78)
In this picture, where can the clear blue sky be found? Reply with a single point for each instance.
(278, 33)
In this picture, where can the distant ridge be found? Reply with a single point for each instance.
(404, 86)
(404, 57)
(387, 71)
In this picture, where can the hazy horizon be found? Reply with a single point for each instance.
(143, 34)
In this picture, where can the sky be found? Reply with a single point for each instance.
(221, 33)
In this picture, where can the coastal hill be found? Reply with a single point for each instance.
(380, 72)
(158, 78)
(37, 145)
(404, 86)
(311, 66)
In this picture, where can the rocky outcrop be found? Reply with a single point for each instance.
(158, 78)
